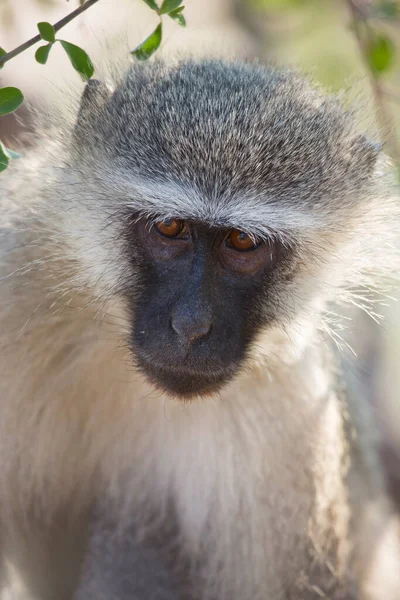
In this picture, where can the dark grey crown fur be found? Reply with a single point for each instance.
(229, 127)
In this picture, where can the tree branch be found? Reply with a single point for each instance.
(57, 26)
(384, 116)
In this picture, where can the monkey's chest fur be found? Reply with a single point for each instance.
(230, 470)
(244, 492)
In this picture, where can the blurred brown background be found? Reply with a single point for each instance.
(314, 35)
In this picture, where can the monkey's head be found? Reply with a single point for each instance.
(217, 200)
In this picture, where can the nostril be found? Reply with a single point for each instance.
(189, 328)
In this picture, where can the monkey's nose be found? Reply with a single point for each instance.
(191, 325)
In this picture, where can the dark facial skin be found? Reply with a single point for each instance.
(199, 307)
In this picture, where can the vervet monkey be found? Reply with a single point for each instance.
(173, 422)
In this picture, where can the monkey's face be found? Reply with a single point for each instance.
(199, 308)
(267, 180)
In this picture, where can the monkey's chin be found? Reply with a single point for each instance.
(185, 384)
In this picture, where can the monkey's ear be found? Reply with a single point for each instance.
(365, 153)
(95, 96)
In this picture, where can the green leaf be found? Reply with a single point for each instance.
(388, 9)
(177, 16)
(42, 53)
(3, 159)
(152, 4)
(2, 53)
(47, 32)
(79, 59)
(381, 54)
(149, 46)
(10, 153)
(5, 155)
(10, 99)
(169, 6)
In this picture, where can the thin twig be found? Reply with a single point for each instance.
(57, 26)
(383, 112)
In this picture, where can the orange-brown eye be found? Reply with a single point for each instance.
(170, 227)
(241, 241)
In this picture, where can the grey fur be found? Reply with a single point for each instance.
(274, 485)
(121, 567)
(267, 138)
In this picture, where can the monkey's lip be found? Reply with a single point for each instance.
(184, 381)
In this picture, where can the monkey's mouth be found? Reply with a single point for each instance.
(183, 382)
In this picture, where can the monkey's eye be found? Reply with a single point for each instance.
(170, 228)
(241, 241)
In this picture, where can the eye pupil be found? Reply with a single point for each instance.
(170, 227)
